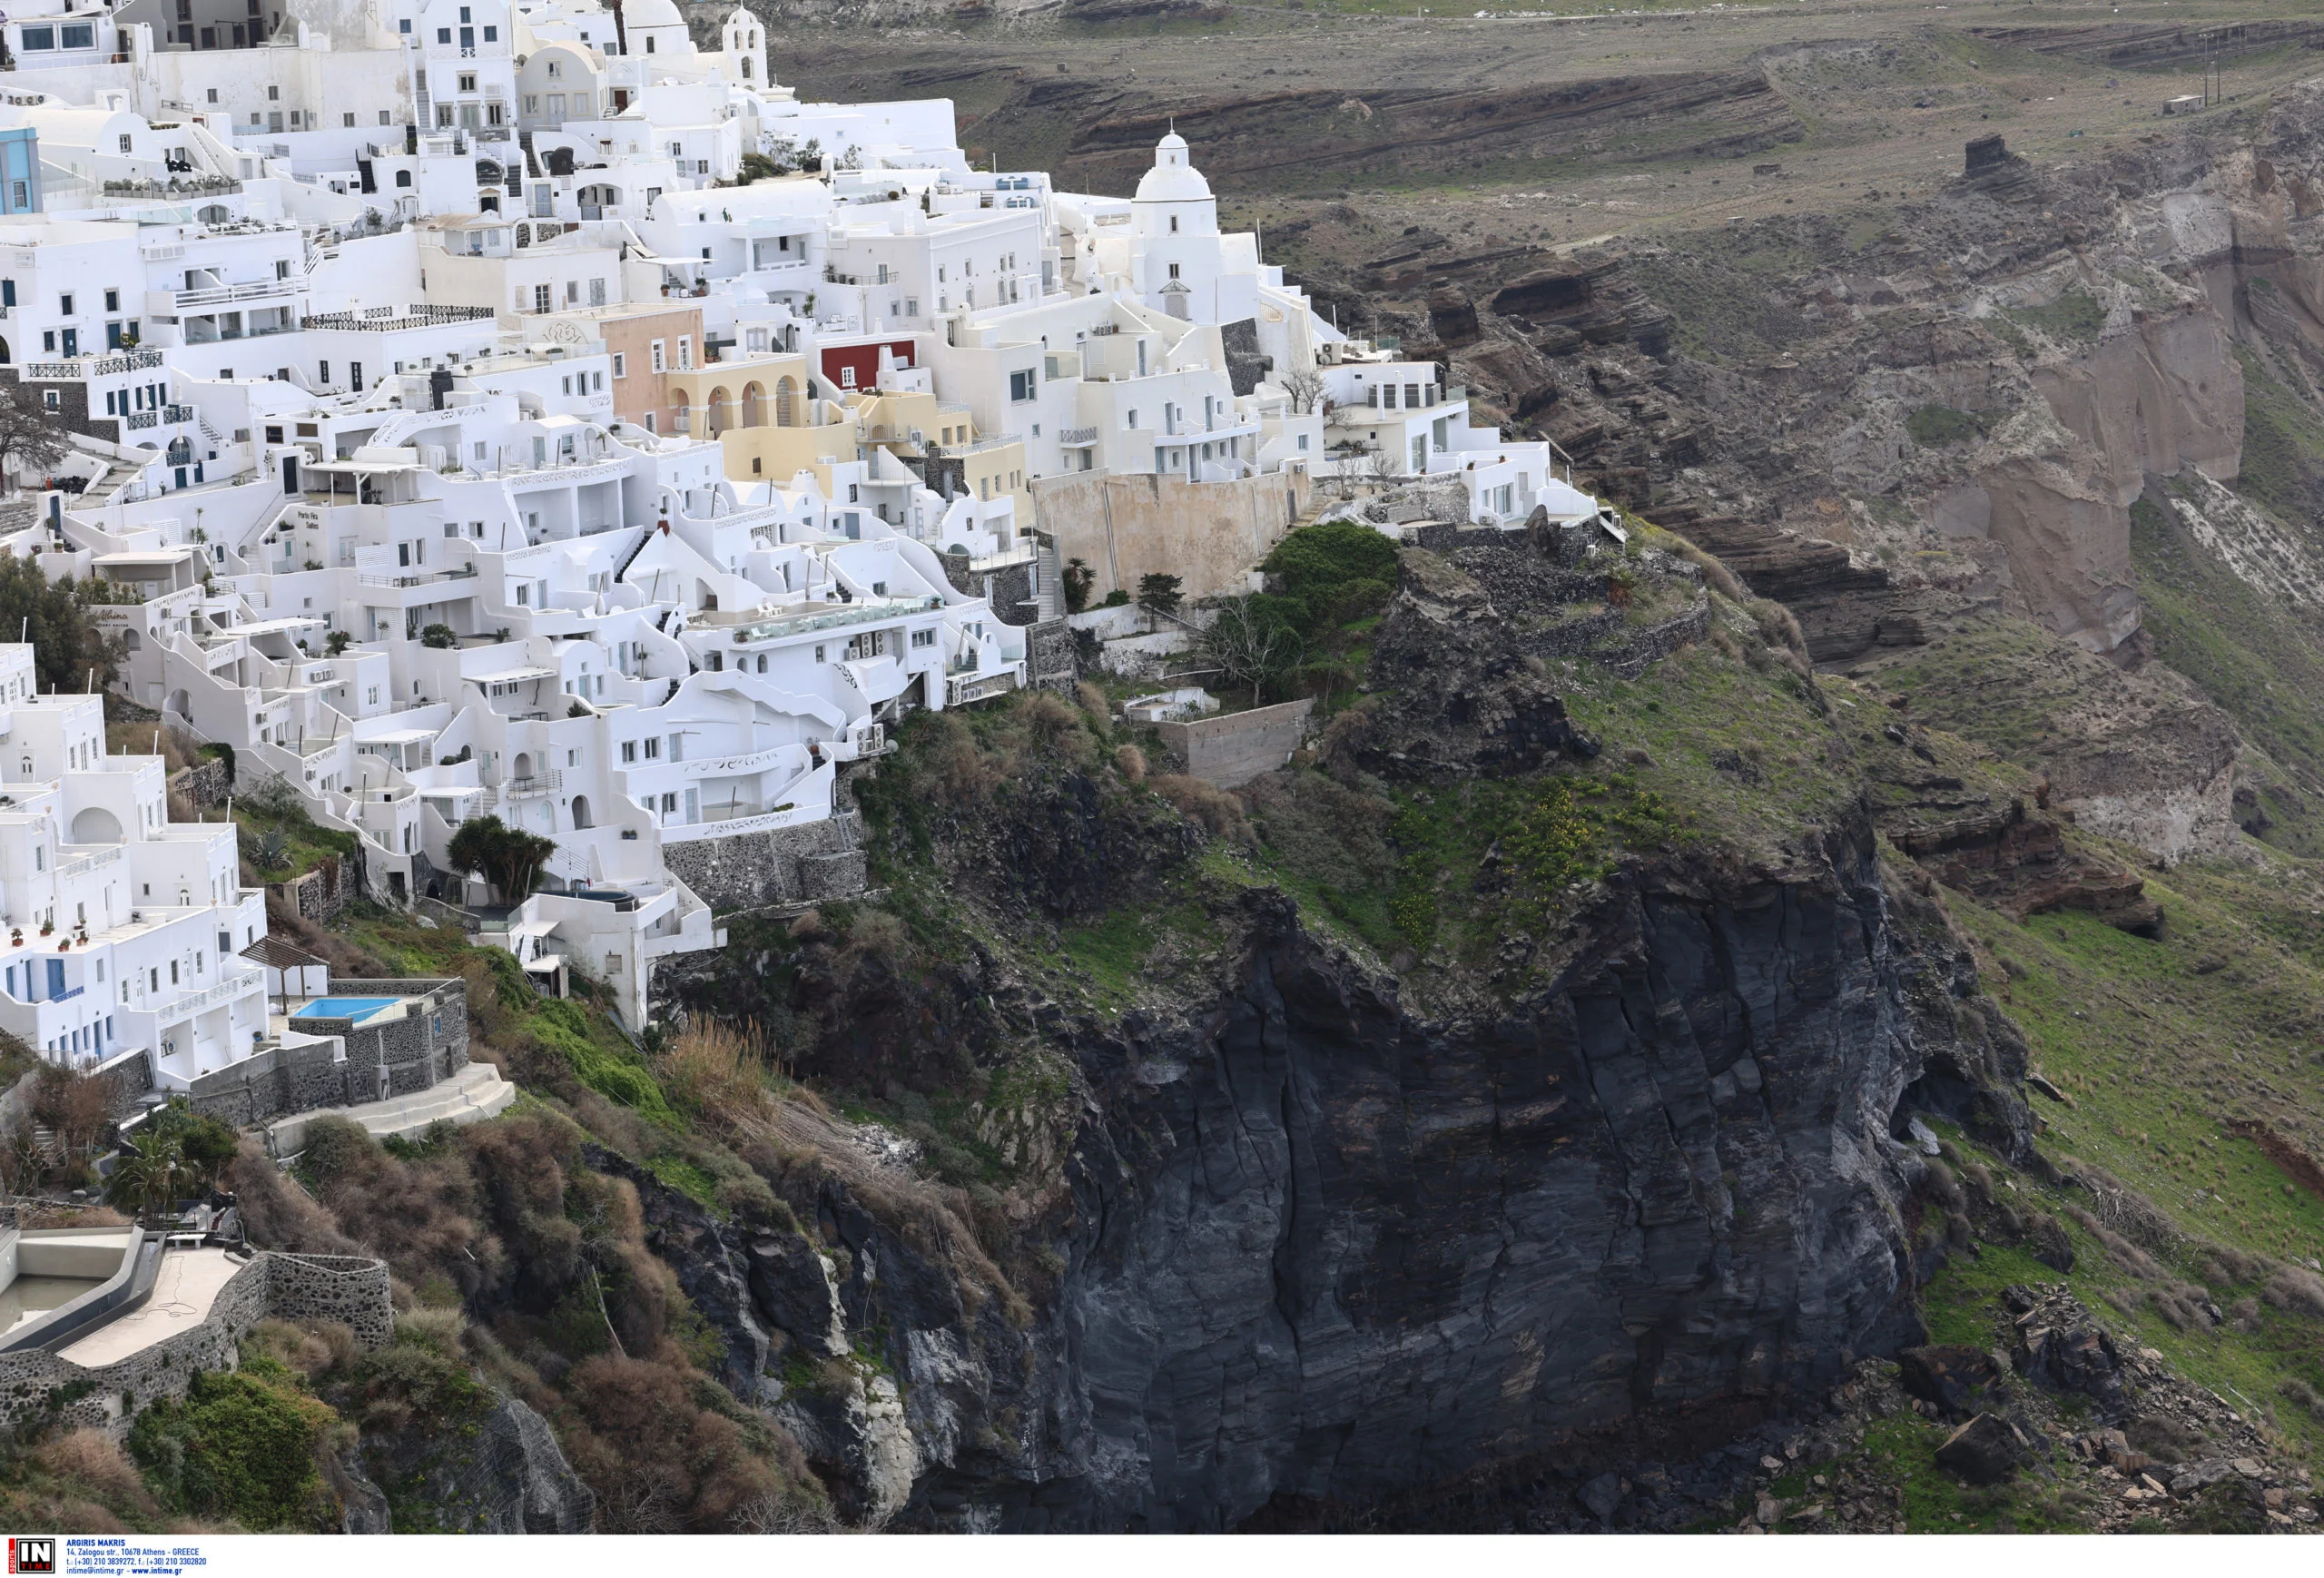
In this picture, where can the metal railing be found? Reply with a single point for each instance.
(91, 366)
(1073, 438)
(542, 782)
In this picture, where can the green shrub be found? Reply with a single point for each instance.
(239, 1446)
(1933, 427)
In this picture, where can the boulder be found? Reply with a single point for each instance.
(1956, 1377)
(1601, 1496)
(1985, 1451)
(2058, 1346)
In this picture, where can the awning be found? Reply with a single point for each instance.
(511, 675)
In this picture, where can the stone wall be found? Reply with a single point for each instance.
(1052, 660)
(1208, 534)
(385, 1057)
(1009, 588)
(814, 862)
(1238, 746)
(285, 1287)
(321, 894)
(204, 784)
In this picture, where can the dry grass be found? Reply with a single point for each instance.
(1131, 763)
(1219, 812)
(717, 1070)
(177, 748)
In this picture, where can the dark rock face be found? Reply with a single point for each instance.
(691, 1240)
(1325, 1248)
(505, 1475)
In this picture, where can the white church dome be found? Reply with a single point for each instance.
(1172, 179)
(651, 13)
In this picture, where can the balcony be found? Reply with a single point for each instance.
(417, 578)
(546, 783)
(1077, 438)
(208, 296)
(832, 617)
(91, 366)
(136, 420)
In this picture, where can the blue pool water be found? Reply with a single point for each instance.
(356, 1007)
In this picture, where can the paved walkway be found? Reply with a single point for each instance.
(183, 1290)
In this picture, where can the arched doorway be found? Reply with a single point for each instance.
(524, 768)
(720, 413)
(180, 704)
(580, 811)
(786, 411)
(683, 422)
(95, 825)
(753, 406)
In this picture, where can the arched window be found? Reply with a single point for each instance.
(403, 177)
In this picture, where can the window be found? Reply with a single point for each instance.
(686, 352)
(923, 638)
(64, 307)
(629, 750)
(273, 93)
(348, 119)
(1020, 385)
(40, 38)
(652, 749)
(492, 35)
(385, 116)
(1174, 230)
(621, 364)
(1174, 270)
(76, 35)
(659, 363)
(443, 36)
(542, 300)
(468, 82)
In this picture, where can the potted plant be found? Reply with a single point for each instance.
(64, 945)
(46, 927)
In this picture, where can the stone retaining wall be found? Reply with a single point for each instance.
(203, 785)
(1236, 747)
(1009, 588)
(34, 1385)
(1052, 659)
(385, 1057)
(321, 894)
(814, 862)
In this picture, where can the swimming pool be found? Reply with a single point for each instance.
(355, 1008)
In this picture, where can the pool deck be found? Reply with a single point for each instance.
(184, 1288)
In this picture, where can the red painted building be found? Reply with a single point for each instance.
(856, 365)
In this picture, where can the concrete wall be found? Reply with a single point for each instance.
(1237, 748)
(1208, 534)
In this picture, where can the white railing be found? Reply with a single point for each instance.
(226, 991)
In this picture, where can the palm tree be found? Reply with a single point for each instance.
(151, 1174)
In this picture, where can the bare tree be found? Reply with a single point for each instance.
(1304, 387)
(1249, 645)
(30, 437)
